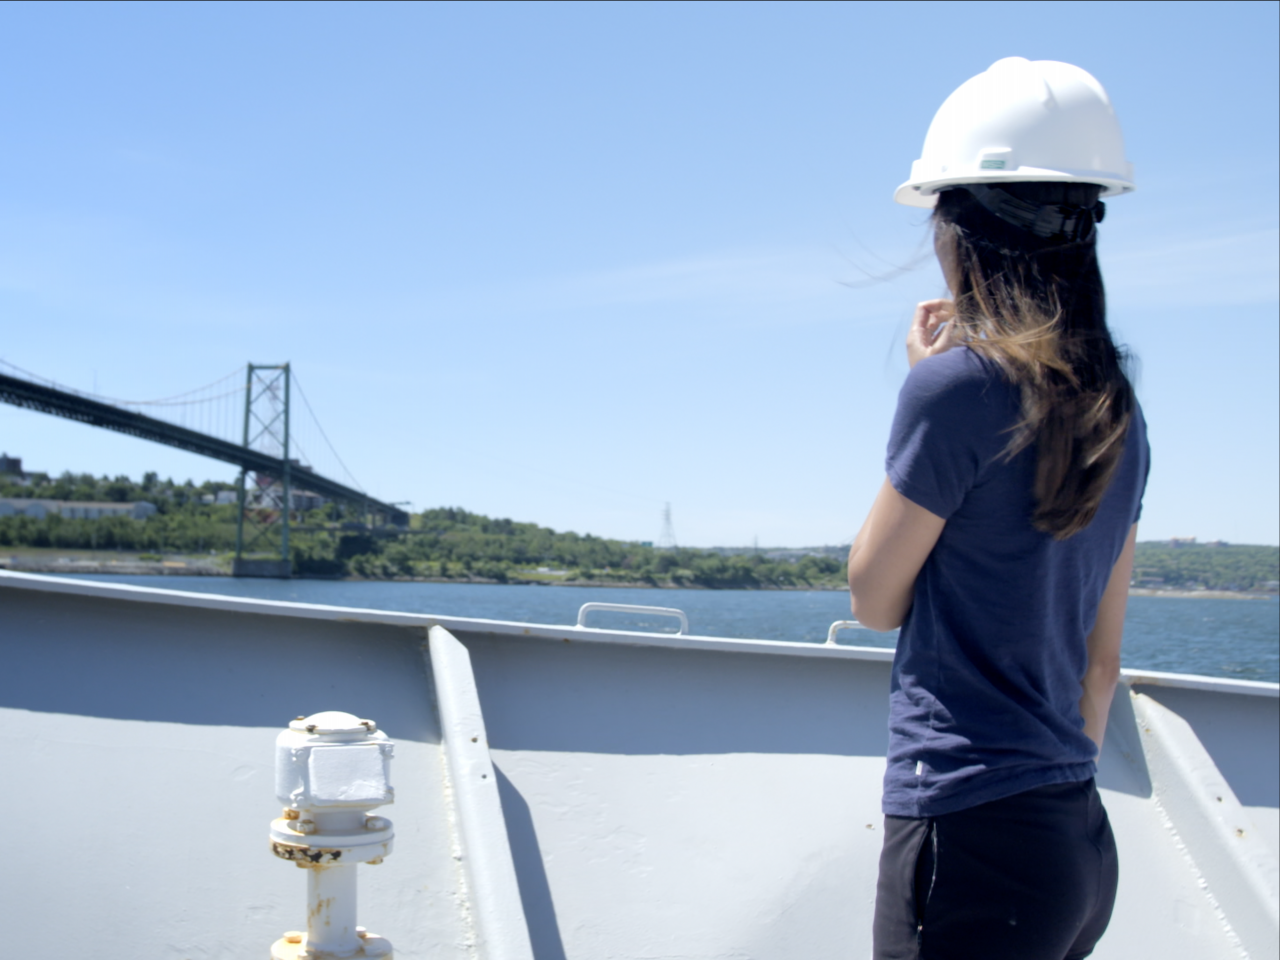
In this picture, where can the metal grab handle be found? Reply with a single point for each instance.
(630, 608)
(841, 625)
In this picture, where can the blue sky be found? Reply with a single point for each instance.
(567, 262)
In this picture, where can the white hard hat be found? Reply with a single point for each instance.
(1022, 121)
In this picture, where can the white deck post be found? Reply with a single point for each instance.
(331, 769)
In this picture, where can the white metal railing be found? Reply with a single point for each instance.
(634, 608)
(841, 625)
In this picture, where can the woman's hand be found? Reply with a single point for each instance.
(933, 330)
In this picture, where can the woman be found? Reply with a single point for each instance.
(1002, 539)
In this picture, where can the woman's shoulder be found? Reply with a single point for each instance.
(957, 379)
(959, 365)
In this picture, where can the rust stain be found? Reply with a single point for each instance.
(304, 855)
(321, 909)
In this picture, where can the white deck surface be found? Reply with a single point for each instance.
(660, 797)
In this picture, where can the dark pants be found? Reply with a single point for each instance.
(1028, 877)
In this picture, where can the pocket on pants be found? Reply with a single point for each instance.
(903, 887)
(925, 871)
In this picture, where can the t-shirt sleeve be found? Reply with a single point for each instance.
(950, 424)
(1142, 446)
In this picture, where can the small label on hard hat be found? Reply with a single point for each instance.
(992, 165)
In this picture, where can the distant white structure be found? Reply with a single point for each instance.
(74, 510)
(222, 498)
(299, 500)
(667, 541)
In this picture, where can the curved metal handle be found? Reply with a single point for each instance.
(630, 608)
(841, 625)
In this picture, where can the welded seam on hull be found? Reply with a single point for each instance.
(462, 893)
(1175, 838)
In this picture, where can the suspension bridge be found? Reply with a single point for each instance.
(244, 418)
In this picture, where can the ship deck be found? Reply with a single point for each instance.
(561, 792)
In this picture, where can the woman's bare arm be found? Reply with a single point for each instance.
(1103, 672)
(886, 557)
(898, 535)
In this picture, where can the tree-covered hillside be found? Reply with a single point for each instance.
(1211, 566)
(444, 543)
(182, 523)
(454, 544)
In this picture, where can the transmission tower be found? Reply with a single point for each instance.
(264, 498)
(668, 539)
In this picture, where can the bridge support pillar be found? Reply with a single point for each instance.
(265, 500)
(261, 568)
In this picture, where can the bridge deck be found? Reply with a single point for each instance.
(46, 399)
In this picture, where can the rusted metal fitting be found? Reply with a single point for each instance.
(305, 856)
(331, 769)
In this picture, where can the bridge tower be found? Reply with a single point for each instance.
(262, 524)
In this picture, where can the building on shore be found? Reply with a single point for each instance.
(11, 469)
(74, 510)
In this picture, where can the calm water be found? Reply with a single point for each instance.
(1217, 638)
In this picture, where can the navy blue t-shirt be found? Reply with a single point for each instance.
(986, 685)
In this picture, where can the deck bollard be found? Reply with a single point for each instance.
(331, 770)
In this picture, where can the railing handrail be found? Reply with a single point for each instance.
(634, 608)
(841, 625)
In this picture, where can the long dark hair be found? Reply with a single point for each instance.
(1021, 262)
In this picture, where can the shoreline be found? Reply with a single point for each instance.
(179, 568)
(173, 568)
(1200, 594)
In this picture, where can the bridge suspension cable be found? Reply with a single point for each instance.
(316, 420)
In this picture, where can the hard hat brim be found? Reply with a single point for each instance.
(924, 193)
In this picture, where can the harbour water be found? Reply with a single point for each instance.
(1238, 639)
